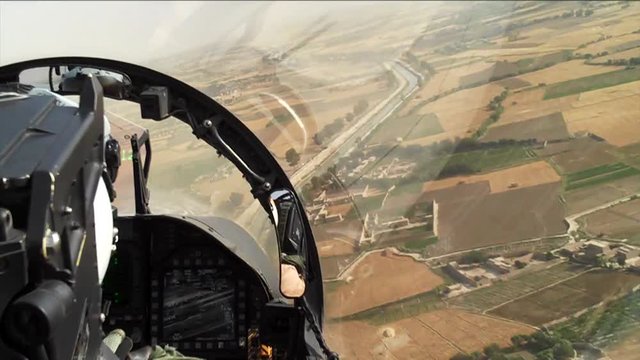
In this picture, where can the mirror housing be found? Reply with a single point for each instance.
(114, 85)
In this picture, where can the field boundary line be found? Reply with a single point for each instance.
(451, 343)
(538, 290)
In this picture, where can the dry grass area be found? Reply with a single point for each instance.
(532, 174)
(611, 113)
(436, 335)
(627, 349)
(380, 278)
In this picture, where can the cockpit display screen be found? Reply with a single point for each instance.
(198, 304)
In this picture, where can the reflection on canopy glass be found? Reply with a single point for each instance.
(471, 169)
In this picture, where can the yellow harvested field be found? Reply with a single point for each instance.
(532, 174)
(434, 335)
(566, 71)
(464, 110)
(449, 79)
(373, 284)
(608, 44)
(611, 113)
(528, 104)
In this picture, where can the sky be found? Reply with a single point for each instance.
(140, 31)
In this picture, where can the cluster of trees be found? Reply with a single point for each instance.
(334, 127)
(292, 156)
(328, 131)
(496, 106)
(474, 257)
(623, 62)
(524, 23)
(544, 345)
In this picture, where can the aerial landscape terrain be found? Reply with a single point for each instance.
(471, 171)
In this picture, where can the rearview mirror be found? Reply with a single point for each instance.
(291, 242)
(68, 79)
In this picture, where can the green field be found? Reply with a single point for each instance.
(491, 159)
(500, 292)
(598, 175)
(418, 244)
(592, 82)
(408, 128)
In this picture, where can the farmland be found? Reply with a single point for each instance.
(621, 221)
(588, 197)
(569, 297)
(372, 284)
(592, 82)
(501, 292)
(599, 175)
(578, 154)
(410, 127)
(549, 127)
(435, 335)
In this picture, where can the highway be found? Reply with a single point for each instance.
(346, 141)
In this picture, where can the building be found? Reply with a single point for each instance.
(595, 248)
(499, 264)
(473, 275)
(570, 249)
(625, 252)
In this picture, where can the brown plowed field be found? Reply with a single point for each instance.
(569, 297)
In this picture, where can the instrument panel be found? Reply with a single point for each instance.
(170, 282)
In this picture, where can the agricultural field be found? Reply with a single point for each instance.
(370, 283)
(544, 128)
(569, 297)
(599, 175)
(589, 197)
(593, 82)
(578, 154)
(621, 221)
(434, 335)
(501, 292)
(566, 71)
(531, 174)
(503, 217)
(610, 113)
(410, 127)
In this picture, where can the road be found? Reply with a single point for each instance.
(342, 144)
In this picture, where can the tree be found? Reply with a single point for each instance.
(519, 264)
(235, 199)
(563, 350)
(491, 349)
(518, 340)
(360, 107)
(292, 156)
(349, 117)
